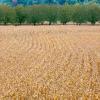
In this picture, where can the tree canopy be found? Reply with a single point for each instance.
(51, 14)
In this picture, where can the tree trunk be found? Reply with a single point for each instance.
(41, 23)
(5, 23)
(50, 23)
(64, 23)
(34, 24)
(20, 23)
(93, 23)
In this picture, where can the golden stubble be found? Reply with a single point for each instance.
(50, 62)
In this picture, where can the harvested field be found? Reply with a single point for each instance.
(50, 62)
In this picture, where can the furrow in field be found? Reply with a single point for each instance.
(49, 63)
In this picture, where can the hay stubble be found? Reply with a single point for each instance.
(50, 63)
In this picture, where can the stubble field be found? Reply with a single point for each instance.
(50, 62)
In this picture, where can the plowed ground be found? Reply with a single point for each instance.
(50, 62)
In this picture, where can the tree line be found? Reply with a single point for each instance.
(50, 14)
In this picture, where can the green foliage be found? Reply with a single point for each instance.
(1, 14)
(65, 13)
(80, 14)
(39, 14)
(51, 14)
(20, 14)
(93, 13)
(7, 14)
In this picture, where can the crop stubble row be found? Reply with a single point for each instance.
(49, 62)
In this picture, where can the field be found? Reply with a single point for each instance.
(50, 62)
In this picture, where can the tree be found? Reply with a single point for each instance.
(11, 16)
(52, 14)
(1, 14)
(93, 13)
(79, 14)
(7, 14)
(35, 14)
(65, 13)
(42, 13)
(20, 14)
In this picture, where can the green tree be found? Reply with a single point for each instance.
(7, 14)
(20, 14)
(1, 14)
(42, 13)
(79, 14)
(93, 13)
(65, 13)
(33, 15)
(52, 14)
